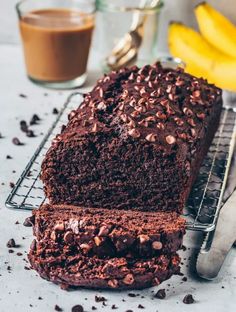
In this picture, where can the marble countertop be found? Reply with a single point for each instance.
(20, 288)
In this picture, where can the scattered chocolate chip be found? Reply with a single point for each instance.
(29, 221)
(131, 295)
(11, 243)
(16, 141)
(26, 268)
(140, 306)
(22, 95)
(40, 298)
(17, 222)
(23, 126)
(129, 311)
(188, 299)
(114, 307)
(10, 250)
(161, 294)
(55, 111)
(8, 157)
(100, 298)
(1, 137)
(19, 254)
(34, 120)
(77, 308)
(30, 134)
(94, 308)
(184, 279)
(57, 308)
(11, 184)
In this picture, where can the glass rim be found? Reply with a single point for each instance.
(103, 5)
(21, 2)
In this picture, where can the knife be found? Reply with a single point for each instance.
(209, 263)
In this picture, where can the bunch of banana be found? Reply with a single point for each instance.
(212, 52)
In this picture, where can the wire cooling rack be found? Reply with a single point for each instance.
(206, 196)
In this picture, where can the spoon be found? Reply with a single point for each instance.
(125, 51)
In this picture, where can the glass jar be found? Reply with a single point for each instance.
(114, 20)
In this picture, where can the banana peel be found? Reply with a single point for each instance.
(201, 58)
(216, 29)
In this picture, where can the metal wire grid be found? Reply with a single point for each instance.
(206, 196)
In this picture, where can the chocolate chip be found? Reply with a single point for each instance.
(30, 134)
(97, 241)
(16, 141)
(184, 279)
(161, 294)
(8, 157)
(29, 221)
(143, 238)
(128, 279)
(34, 120)
(11, 243)
(151, 137)
(55, 111)
(140, 306)
(114, 307)
(187, 111)
(22, 95)
(33, 245)
(104, 231)
(156, 245)
(95, 128)
(129, 311)
(170, 139)
(113, 283)
(10, 250)
(11, 184)
(94, 308)
(77, 308)
(19, 254)
(100, 298)
(59, 226)
(201, 116)
(1, 137)
(68, 237)
(57, 308)
(188, 299)
(132, 295)
(23, 126)
(134, 133)
(40, 298)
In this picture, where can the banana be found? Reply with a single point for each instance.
(201, 58)
(216, 29)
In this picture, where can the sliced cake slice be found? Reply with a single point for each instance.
(62, 266)
(106, 233)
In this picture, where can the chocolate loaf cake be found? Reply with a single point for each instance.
(98, 232)
(103, 249)
(136, 142)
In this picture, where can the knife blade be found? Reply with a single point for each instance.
(209, 263)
